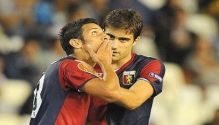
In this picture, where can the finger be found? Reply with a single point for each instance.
(109, 47)
(103, 46)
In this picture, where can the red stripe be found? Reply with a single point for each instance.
(74, 110)
(152, 67)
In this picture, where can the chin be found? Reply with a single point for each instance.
(114, 59)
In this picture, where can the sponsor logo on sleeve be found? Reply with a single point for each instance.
(99, 74)
(85, 68)
(156, 76)
(82, 67)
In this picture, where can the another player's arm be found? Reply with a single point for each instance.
(136, 95)
(143, 89)
(108, 87)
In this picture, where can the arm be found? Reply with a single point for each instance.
(136, 95)
(108, 87)
(148, 84)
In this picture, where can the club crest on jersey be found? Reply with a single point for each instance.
(128, 77)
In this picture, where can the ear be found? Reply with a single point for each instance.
(76, 43)
(136, 40)
(134, 43)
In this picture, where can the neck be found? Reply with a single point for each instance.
(119, 63)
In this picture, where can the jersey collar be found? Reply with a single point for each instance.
(126, 64)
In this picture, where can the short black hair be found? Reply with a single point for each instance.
(127, 19)
(73, 30)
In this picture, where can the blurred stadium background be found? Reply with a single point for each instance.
(182, 33)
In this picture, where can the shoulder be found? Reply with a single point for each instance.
(151, 64)
(145, 60)
(141, 57)
(68, 62)
(76, 65)
(85, 66)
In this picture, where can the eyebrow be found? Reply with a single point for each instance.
(123, 38)
(120, 38)
(94, 28)
(111, 35)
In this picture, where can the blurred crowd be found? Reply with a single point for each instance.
(182, 33)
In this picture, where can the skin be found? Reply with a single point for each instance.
(96, 48)
(93, 37)
(122, 43)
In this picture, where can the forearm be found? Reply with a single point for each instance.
(106, 88)
(135, 96)
(128, 99)
(110, 78)
(97, 87)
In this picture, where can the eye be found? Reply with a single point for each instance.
(111, 36)
(123, 40)
(94, 33)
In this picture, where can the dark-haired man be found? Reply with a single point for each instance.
(140, 77)
(61, 96)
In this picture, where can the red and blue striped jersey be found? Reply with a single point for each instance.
(58, 100)
(138, 68)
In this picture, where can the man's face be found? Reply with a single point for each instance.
(122, 43)
(93, 35)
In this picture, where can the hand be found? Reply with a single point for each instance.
(103, 55)
(104, 52)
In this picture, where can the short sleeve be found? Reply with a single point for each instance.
(74, 74)
(153, 72)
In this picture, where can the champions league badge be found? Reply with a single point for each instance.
(154, 75)
(82, 67)
(128, 77)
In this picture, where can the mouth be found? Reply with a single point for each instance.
(115, 53)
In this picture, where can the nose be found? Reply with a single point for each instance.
(115, 44)
(106, 37)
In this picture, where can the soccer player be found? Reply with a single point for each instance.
(140, 77)
(61, 96)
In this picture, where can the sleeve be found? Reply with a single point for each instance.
(75, 74)
(153, 72)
